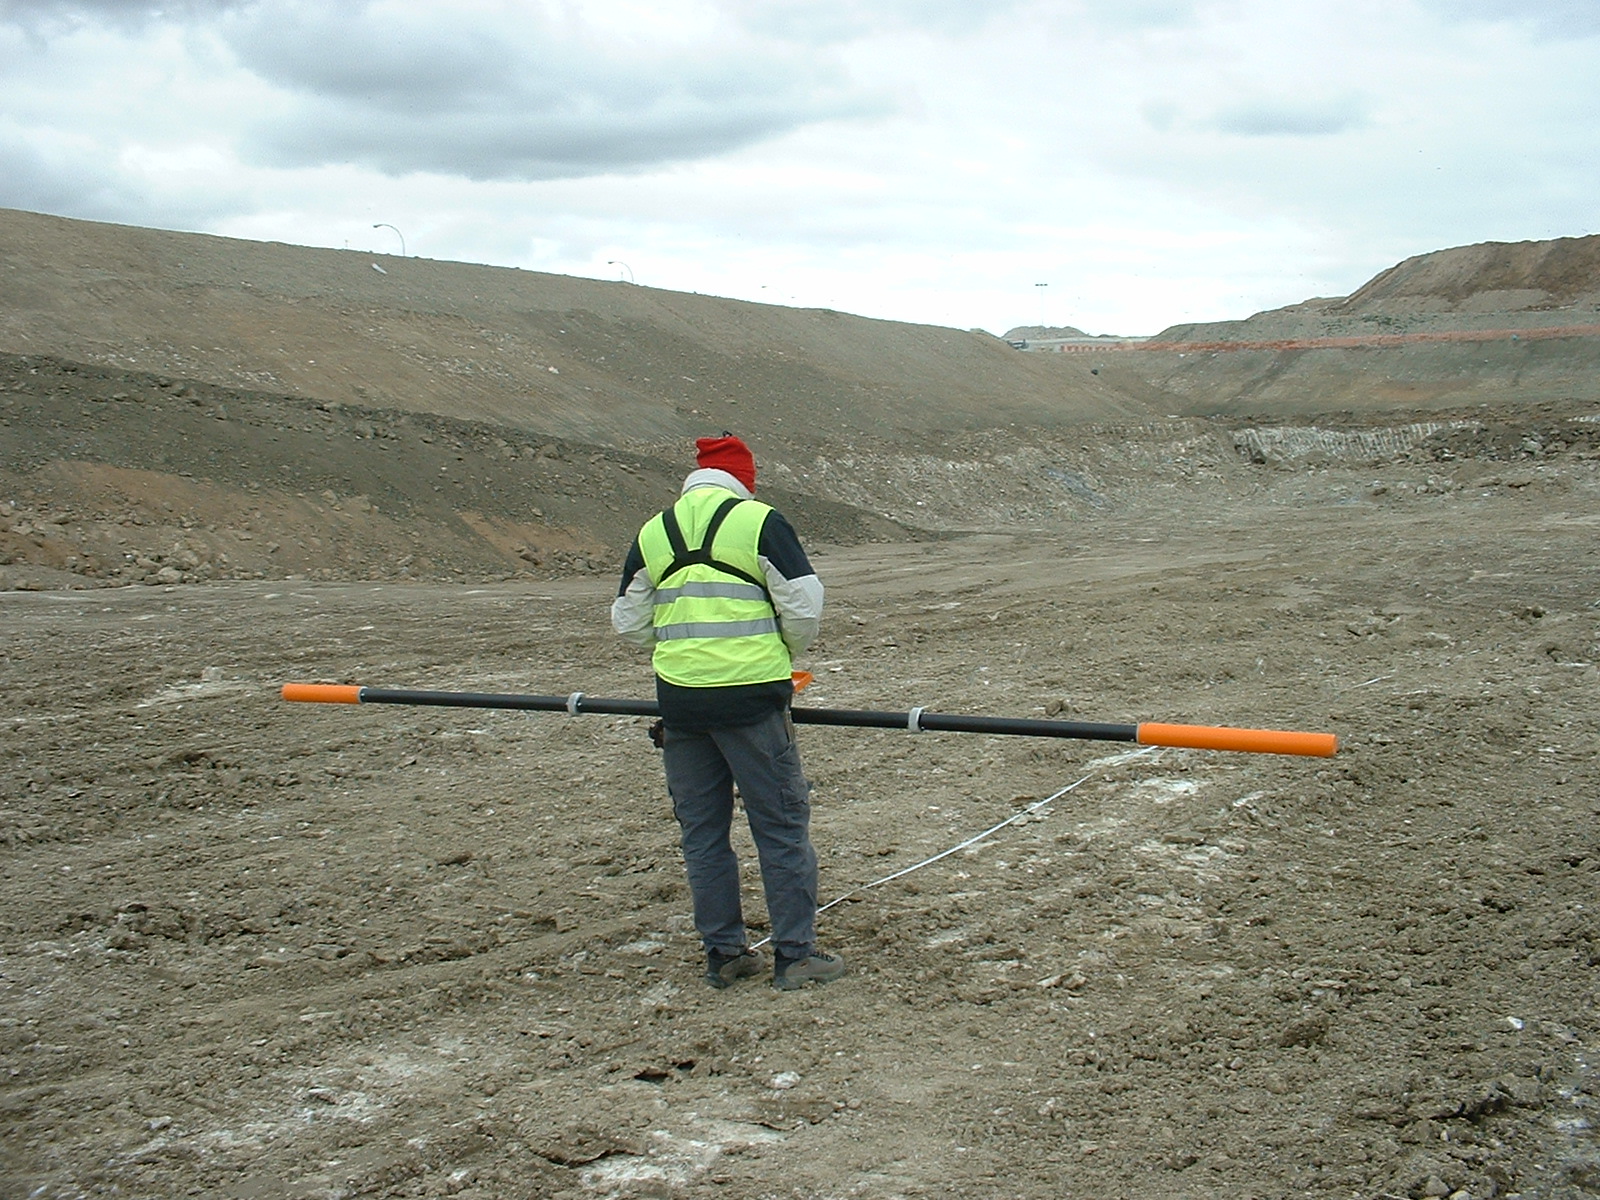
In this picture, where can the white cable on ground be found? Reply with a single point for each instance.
(975, 838)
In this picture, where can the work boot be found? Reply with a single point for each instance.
(790, 975)
(724, 969)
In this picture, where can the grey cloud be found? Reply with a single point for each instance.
(45, 173)
(67, 183)
(1160, 114)
(1259, 117)
(823, 22)
(1550, 18)
(53, 16)
(490, 145)
(352, 55)
(1290, 118)
(28, 180)
(530, 102)
(1140, 14)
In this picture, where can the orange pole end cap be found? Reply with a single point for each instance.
(323, 693)
(1252, 741)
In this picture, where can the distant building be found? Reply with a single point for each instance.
(1080, 344)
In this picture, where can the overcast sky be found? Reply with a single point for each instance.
(1148, 162)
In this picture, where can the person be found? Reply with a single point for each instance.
(720, 590)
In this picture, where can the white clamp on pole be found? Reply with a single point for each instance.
(572, 703)
(914, 719)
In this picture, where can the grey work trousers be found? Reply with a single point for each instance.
(765, 762)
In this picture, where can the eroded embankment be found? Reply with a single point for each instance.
(113, 478)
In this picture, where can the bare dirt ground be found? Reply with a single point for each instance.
(250, 949)
(270, 950)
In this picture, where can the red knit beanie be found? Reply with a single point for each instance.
(730, 454)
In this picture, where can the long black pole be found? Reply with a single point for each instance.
(916, 720)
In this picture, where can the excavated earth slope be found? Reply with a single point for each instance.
(604, 363)
(1471, 326)
(307, 952)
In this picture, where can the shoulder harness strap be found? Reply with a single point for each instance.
(683, 557)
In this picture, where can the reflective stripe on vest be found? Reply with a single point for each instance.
(713, 629)
(724, 591)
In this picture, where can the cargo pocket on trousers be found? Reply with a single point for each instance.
(795, 789)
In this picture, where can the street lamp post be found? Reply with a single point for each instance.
(613, 262)
(397, 233)
(1043, 324)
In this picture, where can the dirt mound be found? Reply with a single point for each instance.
(1494, 324)
(1492, 287)
(219, 409)
(604, 363)
(1040, 332)
(1497, 277)
(480, 421)
(254, 948)
(118, 477)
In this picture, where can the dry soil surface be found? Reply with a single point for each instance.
(255, 949)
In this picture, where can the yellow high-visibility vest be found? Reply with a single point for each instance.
(715, 623)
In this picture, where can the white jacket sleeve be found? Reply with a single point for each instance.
(633, 611)
(799, 605)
